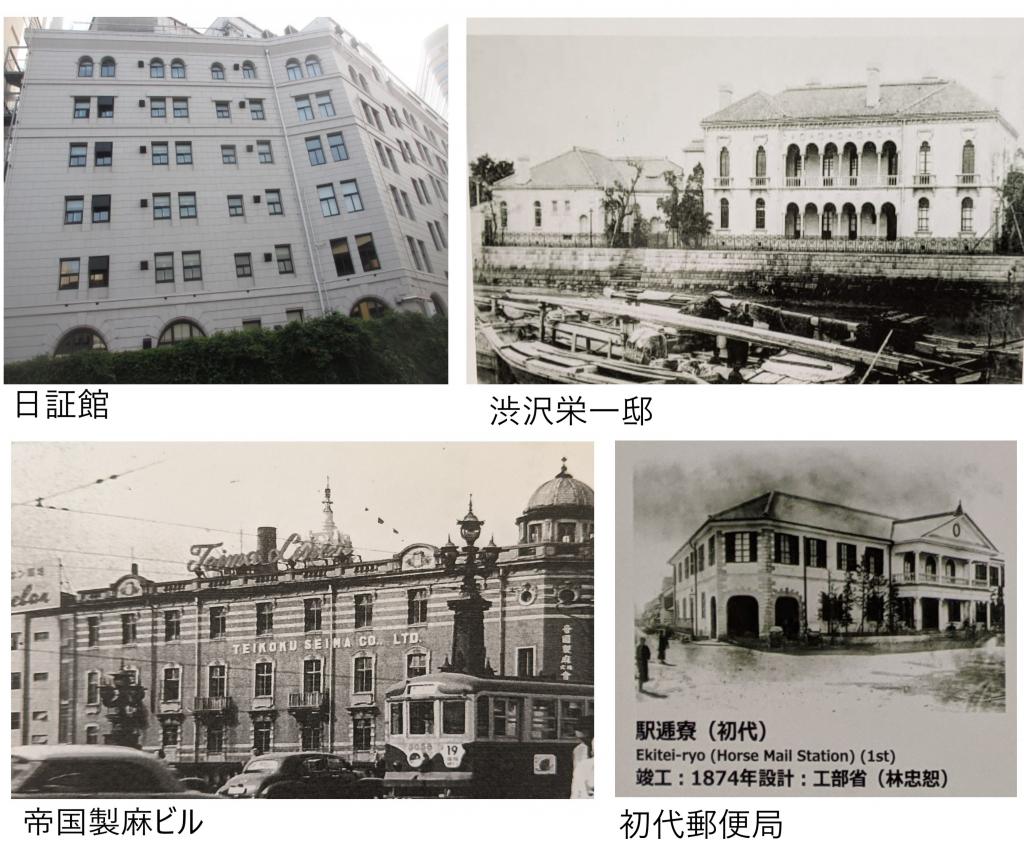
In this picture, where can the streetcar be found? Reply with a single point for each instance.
(458, 735)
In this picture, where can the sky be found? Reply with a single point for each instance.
(641, 87)
(676, 486)
(222, 488)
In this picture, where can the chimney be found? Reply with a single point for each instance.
(724, 95)
(266, 542)
(522, 172)
(135, 569)
(873, 92)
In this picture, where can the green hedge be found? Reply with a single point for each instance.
(399, 348)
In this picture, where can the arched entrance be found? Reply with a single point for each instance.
(787, 615)
(888, 222)
(848, 221)
(714, 618)
(929, 614)
(811, 224)
(828, 221)
(868, 221)
(792, 221)
(741, 616)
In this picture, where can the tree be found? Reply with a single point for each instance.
(484, 172)
(1011, 240)
(684, 207)
(845, 613)
(893, 606)
(619, 204)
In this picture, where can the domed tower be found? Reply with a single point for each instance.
(559, 511)
(329, 533)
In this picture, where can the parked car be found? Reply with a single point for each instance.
(303, 775)
(69, 771)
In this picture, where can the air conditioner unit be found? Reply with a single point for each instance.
(237, 66)
(142, 148)
(241, 104)
(268, 257)
(255, 199)
(143, 202)
(142, 64)
(143, 265)
(142, 102)
(147, 342)
(248, 148)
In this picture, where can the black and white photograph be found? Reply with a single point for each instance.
(798, 201)
(302, 620)
(850, 605)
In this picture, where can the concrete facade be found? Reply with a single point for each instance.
(41, 674)
(166, 136)
(766, 563)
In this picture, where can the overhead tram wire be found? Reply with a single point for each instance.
(38, 500)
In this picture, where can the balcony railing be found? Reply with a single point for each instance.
(759, 182)
(933, 578)
(924, 180)
(210, 705)
(723, 182)
(968, 179)
(794, 182)
(312, 700)
(828, 180)
(892, 180)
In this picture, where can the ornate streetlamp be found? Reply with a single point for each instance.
(123, 699)
(469, 654)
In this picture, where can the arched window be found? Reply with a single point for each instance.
(363, 84)
(352, 73)
(108, 67)
(179, 331)
(922, 215)
(313, 66)
(368, 308)
(177, 69)
(80, 339)
(760, 163)
(967, 160)
(415, 664)
(248, 71)
(503, 215)
(723, 214)
(759, 214)
(909, 563)
(217, 71)
(930, 566)
(828, 162)
(723, 162)
(967, 216)
(538, 214)
(294, 69)
(156, 68)
(85, 66)
(924, 158)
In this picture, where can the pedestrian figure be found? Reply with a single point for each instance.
(582, 786)
(643, 657)
(662, 645)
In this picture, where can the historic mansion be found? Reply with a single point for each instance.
(874, 160)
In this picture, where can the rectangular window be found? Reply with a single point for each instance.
(506, 717)
(160, 153)
(815, 552)
(426, 194)
(293, 315)
(40, 677)
(524, 662)
(223, 108)
(164, 267)
(304, 108)
(408, 205)
(787, 549)
(235, 205)
(264, 618)
(391, 159)
(363, 610)
(105, 107)
(421, 717)
(741, 547)
(100, 208)
(161, 206)
(846, 556)
(380, 153)
(433, 236)
(416, 188)
(415, 665)
(158, 107)
(73, 209)
(92, 689)
(172, 619)
(415, 254)
(93, 631)
(264, 679)
(252, 324)
(187, 204)
(362, 675)
(104, 153)
(218, 681)
(417, 606)
(243, 265)
(262, 735)
(313, 614)
(312, 676)
(398, 201)
(191, 265)
(350, 194)
(315, 151)
(81, 107)
(274, 206)
(256, 110)
(264, 152)
(544, 719)
(79, 155)
(397, 718)
(69, 272)
(228, 156)
(453, 717)
(170, 734)
(367, 252)
(328, 202)
(324, 105)
(172, 684)
(218, 622)
(424, 257)
(16, 681)
(342, 257)
(874, 560)
(284, 259)
(99, 271)
(129, 624)
(180, 105)
(336, 142)
(183, 153)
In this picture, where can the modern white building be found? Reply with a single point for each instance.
(767, 561)
(165, 183)
(562, 195)
(921, 160)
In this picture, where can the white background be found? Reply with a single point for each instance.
(462, 412)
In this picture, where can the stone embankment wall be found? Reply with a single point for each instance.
(679, 269)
